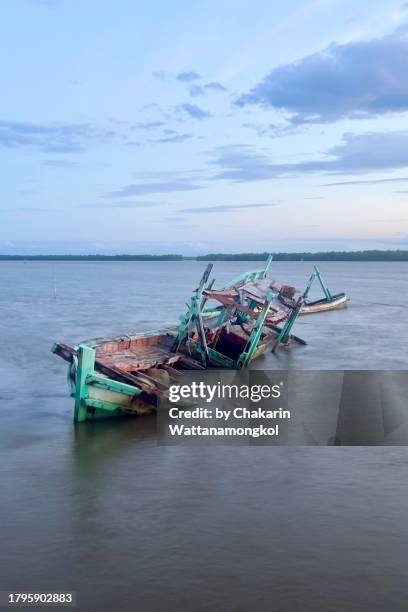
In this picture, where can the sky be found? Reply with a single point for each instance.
(186, 127)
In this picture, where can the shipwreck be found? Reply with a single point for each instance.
(221, 328)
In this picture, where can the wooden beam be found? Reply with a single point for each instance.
(139, 379)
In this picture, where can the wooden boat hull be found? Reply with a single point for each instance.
(128, 374)
(338, 301)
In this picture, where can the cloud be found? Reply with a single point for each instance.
(353, 80)
(240, 163)
(159, 74)
(196, 90)
(215, 86)
(195, 111)
(173, 138)
(60, 163)
(50, 137)
(186, 176)
(224, 208)
(367, 182)
(158, 187)
(148, 125)
(30, 209)
(357, 154)
(187, 77)
(174, 219)
(272, 130)
(201, 90)
(140, 204)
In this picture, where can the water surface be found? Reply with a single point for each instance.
(100, 509)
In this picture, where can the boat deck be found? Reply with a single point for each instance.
(143, 357)
(136, 353)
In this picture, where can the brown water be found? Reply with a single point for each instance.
(100, 509)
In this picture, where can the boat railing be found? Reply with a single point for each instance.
(251, 275)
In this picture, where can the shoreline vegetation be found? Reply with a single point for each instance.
(370, 255)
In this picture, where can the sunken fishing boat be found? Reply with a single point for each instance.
(222, 328)
(289, 296)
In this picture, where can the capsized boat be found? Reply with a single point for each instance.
(225, 328)
(289, 296)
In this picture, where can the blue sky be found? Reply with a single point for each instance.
(199, 127)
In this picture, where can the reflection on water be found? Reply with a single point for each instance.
(100, 440)
(101, 509)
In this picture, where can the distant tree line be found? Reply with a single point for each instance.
(373, 255)
(92, 257)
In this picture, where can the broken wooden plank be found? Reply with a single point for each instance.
(139, 379)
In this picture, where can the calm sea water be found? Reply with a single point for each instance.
(100, 509)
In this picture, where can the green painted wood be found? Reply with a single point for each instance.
(112, 385)
(104, 405)
(255, 335)
(325, 289)
(267, 265)
(252, 275)
(201, 345)
(219, 359)
(86, 363)
(284, 333)
(192, 317)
